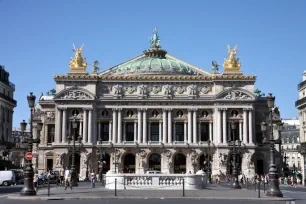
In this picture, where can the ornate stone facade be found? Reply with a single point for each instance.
(161, 122)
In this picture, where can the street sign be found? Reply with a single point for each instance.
(29, 156)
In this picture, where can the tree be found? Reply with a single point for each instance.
(51, 92)
(258, 93)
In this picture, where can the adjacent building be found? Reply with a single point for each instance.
(7, 105)
(154, 112)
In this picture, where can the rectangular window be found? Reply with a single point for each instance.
(154, 132)
(105, 131)
(204, 131)
(179, 132)
(129, 132)
(51, 132)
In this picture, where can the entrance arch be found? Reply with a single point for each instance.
(77, 162)
(129, 163)
(154, 162)
(179, 163)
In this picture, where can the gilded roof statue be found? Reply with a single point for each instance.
(78, 63)
(232, 64)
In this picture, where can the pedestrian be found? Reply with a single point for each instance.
(93, 178)
(35, 181)
(62, 175)
(67, 178)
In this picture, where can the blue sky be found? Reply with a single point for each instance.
(36, 39)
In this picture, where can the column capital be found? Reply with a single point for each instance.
(160, 121)
(114, 109)
(110, 121)
(240, 121)
(165, 109)
(189, 109)
(245, 109)
(211, 121)
(60, 108)
(194, 109)
(81, 121)
(135, 121)
(90, 109)
(139, 109)
(185, 121)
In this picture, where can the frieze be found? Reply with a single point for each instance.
(155, 89)
(204, 89)
(167, 91)
(76, 95)
(130, 89)
(237, 95)
(180, 89)
(117, 91)
(49, 116)
(142, 90)
(192, 90)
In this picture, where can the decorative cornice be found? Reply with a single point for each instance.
(212, 78)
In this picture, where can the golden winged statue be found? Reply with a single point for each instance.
(232, 64)
(78, 61)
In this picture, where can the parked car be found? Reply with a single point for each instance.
(153, 172)
(7, 178)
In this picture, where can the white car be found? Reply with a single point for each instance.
(153, 172)
(7, 178)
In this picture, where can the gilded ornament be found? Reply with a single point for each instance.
(78, 63)
(232, 64)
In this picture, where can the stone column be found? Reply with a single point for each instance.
(110, 131)
(90, 139)
(119, 126)
(245, 127)
(59, 126)
(99, 131)
(174, 132)
(69, 128)
(144, 128)
(149, 131)
(165, 126)
(64, 127)
(219, 128)
(224, 126)
(170, 126)
(81, 128)
(250, 126)
(46, 133)
(185, 131)
(85, 126)
(115, 123)
(124, 131)
(199, 131)
(240, 130)
(135, 131)
(189, 126)
(210, 131)
(229, 131)
(160, 131)
(194, 122)
(139, 127)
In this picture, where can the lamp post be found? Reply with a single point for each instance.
(208, 163)
(28, 187)
(273, 189)
(101, 161)
(73, 150)
(235, 183)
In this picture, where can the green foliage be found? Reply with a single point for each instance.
(258, 93)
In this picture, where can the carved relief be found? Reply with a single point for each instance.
(180, 89)
(76, 95)
(167, 91)
(117, 90)
(222, 159)
(142, 90)
(192, 90)
(50, 116)
(155, 89)
(236, 95)
(193, 156)
(130, 89)
(142, 153)
(204, 89)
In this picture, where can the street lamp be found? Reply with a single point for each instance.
(235, 183)
(208, 164)
(73, 150)
(101, 161)
(273, 189)
(28, 187)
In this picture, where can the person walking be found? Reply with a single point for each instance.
(62, 175)
(67, 178)
(93, 178)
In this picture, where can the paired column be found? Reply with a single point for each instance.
(81, 128)
(224, 126)
(99, 131)
(144, 128)
(119, 125)
(250, 126)
(219, 128)
(189, 126)
(115, 123)
(185, 131)
(165, 126)
(64, 127)
(58, 126)
(194, 122)
(110, 131)
(240, 130)
(160, 130)
(124, 131)
(85, 126)
(170, 126)
(46, 133)
(135, 131)
(245, 127)
(210, 131)
(139, 127)
(89, 128)
(149, 131)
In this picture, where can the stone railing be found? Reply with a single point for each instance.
(155, 181)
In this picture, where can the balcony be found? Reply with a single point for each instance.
(300, 85)
(300, 102)
(8, 99)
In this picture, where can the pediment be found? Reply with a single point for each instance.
(234, 94)
(74, 93)
(142, 65)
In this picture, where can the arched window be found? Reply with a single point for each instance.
(179, 164)
(154, 162)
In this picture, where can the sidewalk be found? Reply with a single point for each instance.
(84, 192)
